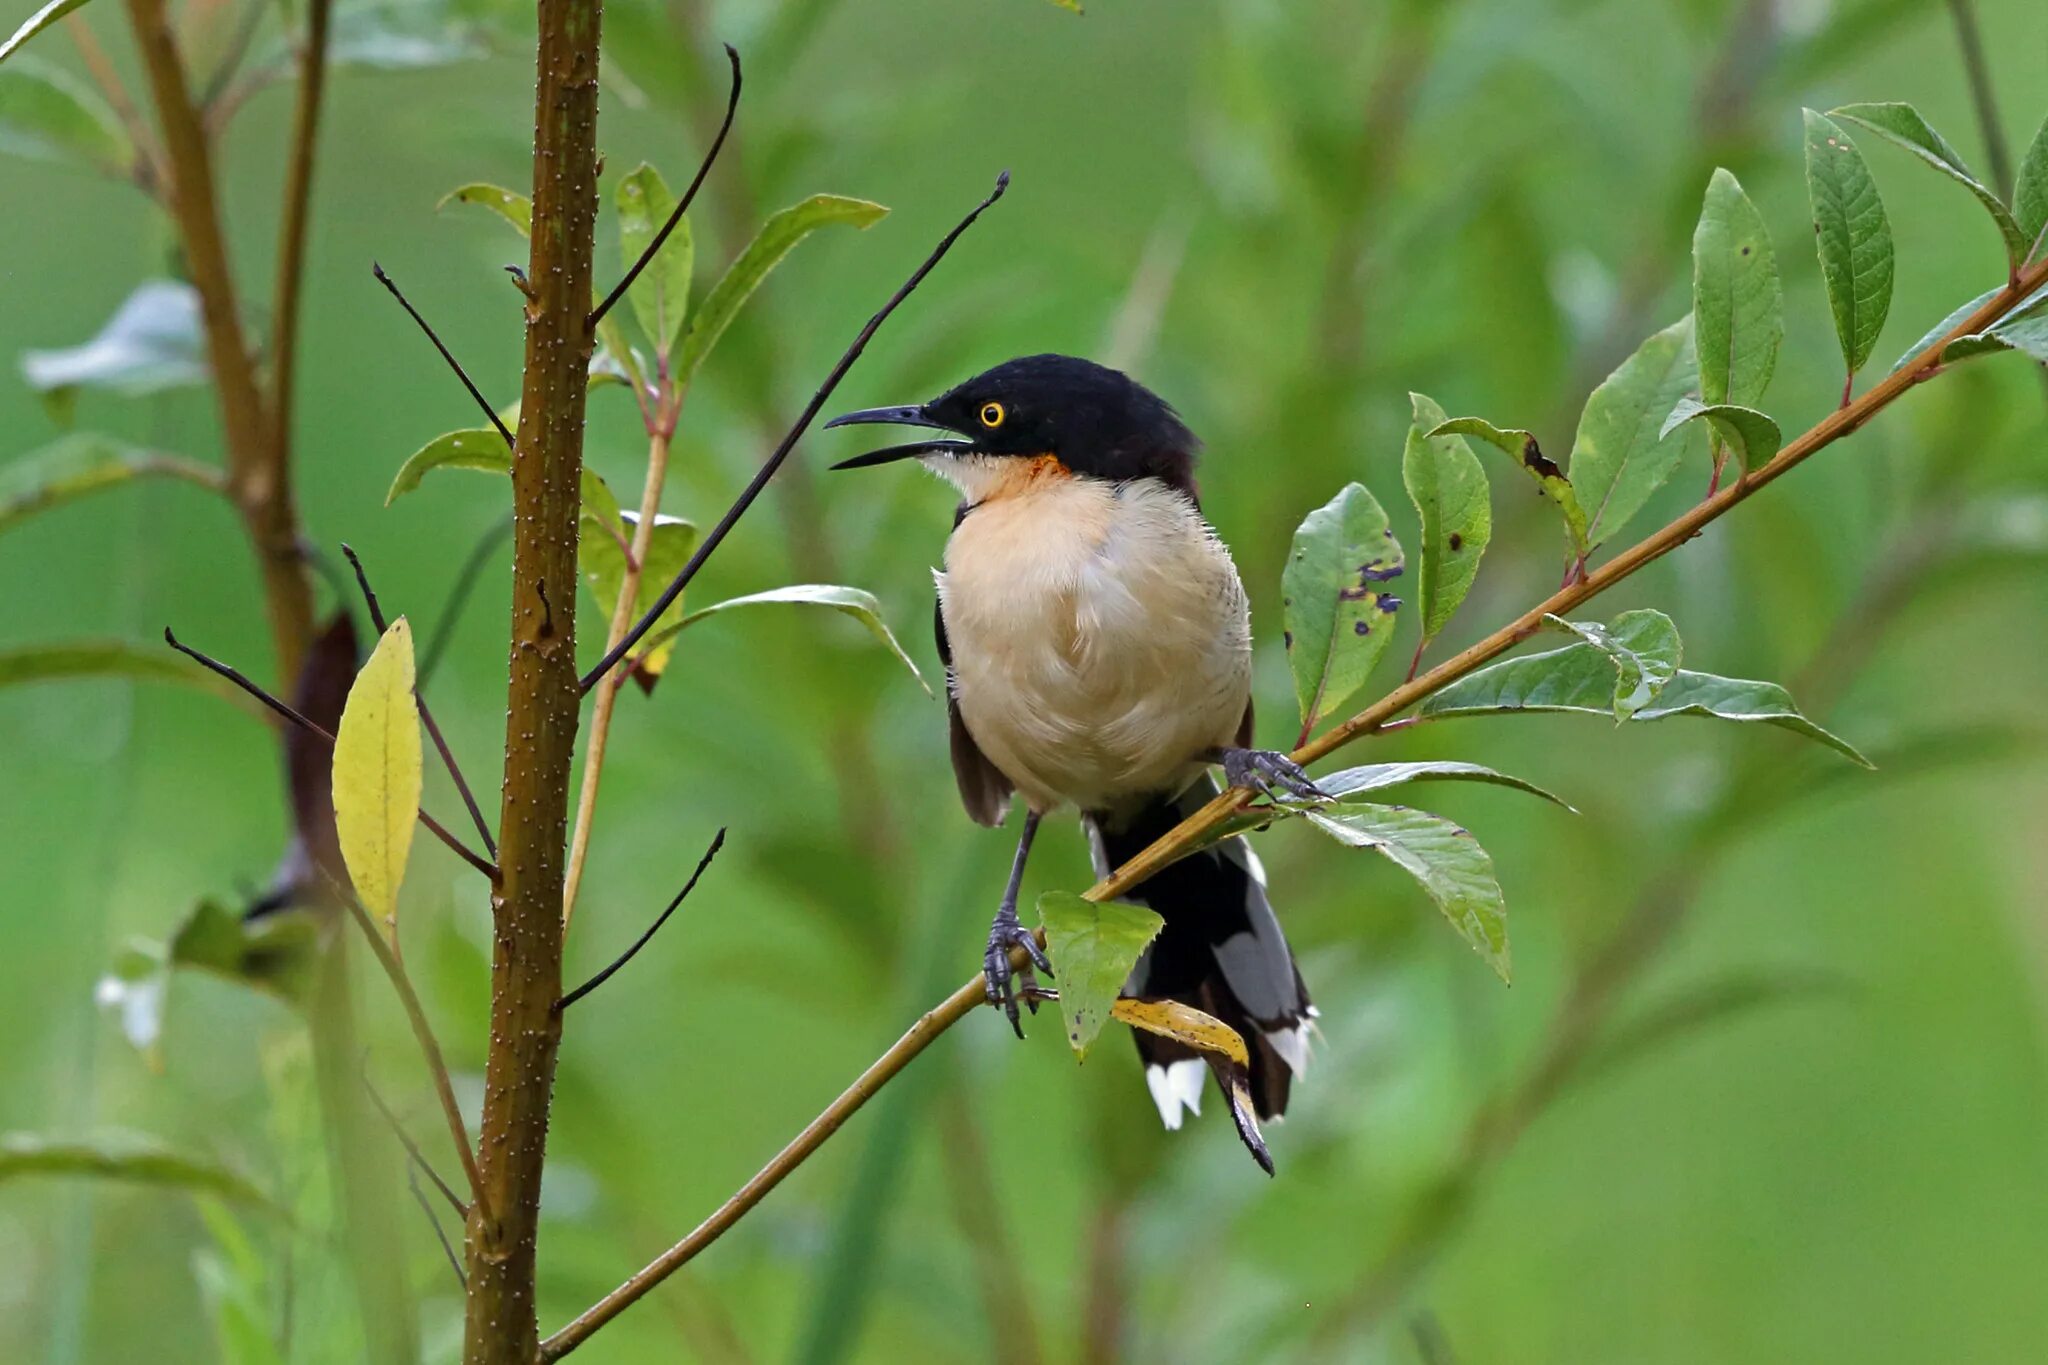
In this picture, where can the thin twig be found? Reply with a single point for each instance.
(458, 595)
(238, 49)
(732, 104)
(412, 1182)
(435, 827)
(149, 165)
(781, 452)
(297, 217)
(426, 716)
(453, 364)
(412, 1149)
(594, 747)
(717, 842)
(1978, 71)
(1176, 842)
(437, 1067)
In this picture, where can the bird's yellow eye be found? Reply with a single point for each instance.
(991, 415)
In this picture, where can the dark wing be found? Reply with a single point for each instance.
(983, 788)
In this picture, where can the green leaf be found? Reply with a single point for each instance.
(1903, 125)
(1741, 699)
(2025, 329)
(1344, 785)
(2030, 193)
(1521, 447)
(1443, 857)
(36, 23)
(152, 343)
(124, 1156)
(861, 606)
(1371, 777)
(603, 562)
(1945, 326)
(1642, 645)
(1737, 306)
(1750, 434)
(1339, 619)
(483, 450)
(1583, 678)
(1073, 5)
(73, 466)
(1093, 946)
(513, 207)
(1852, 235)
(1622, 455)
(47, 113)
(1448, 486)
(661, 295)
(115, 659)
(776, 238)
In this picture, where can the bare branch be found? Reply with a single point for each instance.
(412, 1149)
(412, 1182)
(426, 716)
(732, 104)
(434, 827)
(781, 452)
(423, 1032)
(453, 363)
(717, 842)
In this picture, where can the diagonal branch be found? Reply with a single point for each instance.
(717, 842)
(426, 716)
(437, 1066)
(412, 1149)
(1179, 840)
(781, 452)
(308, 724)
(453, 363)
(732, 104)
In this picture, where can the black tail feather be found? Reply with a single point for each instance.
(1221, 951)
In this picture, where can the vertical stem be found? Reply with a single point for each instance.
(258, 478)
(541, 713)
(292, 230)
(623, 616)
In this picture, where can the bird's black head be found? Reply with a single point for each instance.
(1095, 421)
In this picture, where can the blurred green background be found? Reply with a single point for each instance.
(1771, 1083)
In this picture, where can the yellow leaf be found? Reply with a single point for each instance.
(1184, 1024)
(1206, 1033)
(377, 773)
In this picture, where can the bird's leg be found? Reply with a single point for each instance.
(1266, 770)
(1006, 933)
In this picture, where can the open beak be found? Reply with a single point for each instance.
(906, 417)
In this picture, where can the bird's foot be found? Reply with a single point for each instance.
(1268, 771)
(1005, 985)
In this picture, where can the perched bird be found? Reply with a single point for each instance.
(1098, 650)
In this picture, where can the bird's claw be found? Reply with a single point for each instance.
(1271, 772)
(1005, 985)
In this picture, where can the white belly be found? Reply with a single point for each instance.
(1100, 637)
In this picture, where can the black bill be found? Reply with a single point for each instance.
(906, 417)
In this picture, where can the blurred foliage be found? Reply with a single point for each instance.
(1772, 1082)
